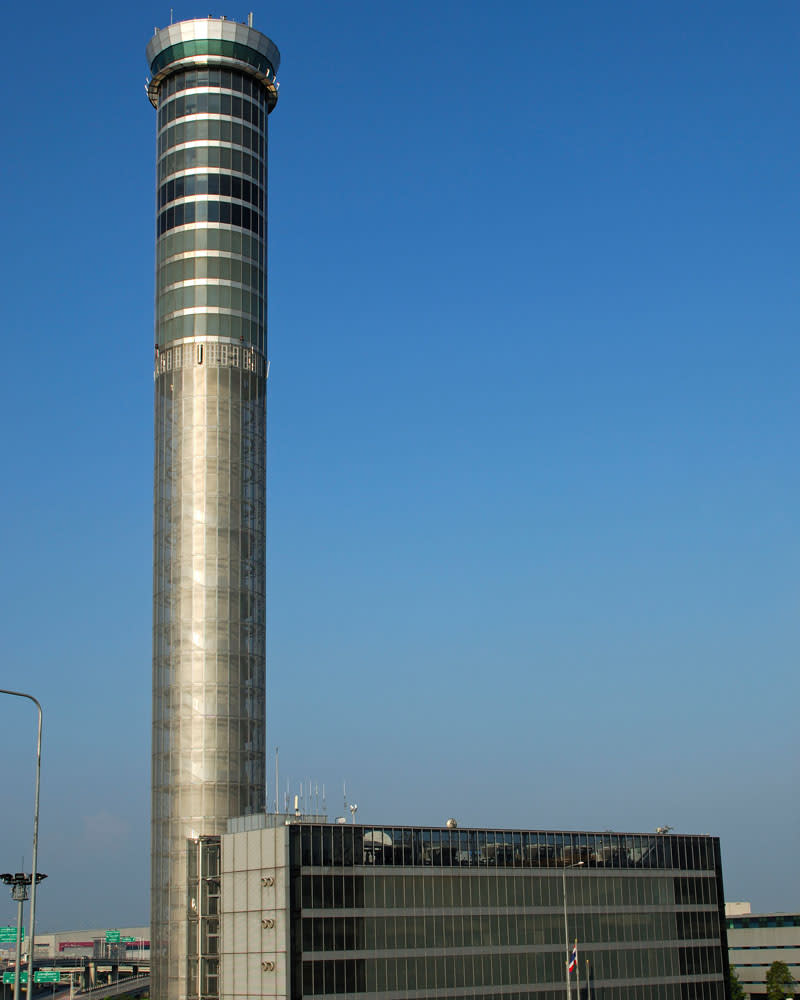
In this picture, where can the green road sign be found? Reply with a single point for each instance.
(47, 976)
(9, 935)
(112, 937)
(8, 977)
(128, 939)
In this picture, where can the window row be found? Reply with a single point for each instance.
(212, 46)
(185, 744)
(202, 102)
(221, 157)
(240, 524)
(225, 665)
(232, 241)
(193, 800)
(214, 384)
(695, 925)
(227, 268)
(224, 184)
(225, 79)
(773, 920)
(216, 766)
(463, 930)
(709, 990)
(218, 296)
(210, 211)
(378, 975)
(690, 890)
(202, 977)
(694, 990)
(387, 891)
(250, 331)
(348, 845)
(214, 130)
(176, 638)
(244, 618)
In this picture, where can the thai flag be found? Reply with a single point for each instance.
(573, 959)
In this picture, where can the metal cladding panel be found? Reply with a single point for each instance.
(209, 635)
(254, 950)
(209, 574)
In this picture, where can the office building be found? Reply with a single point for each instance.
(756, 940)
(213, 85)
(316, 910)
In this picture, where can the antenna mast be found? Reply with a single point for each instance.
(277, 786)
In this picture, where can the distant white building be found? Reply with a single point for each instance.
(97, 942)
(756, 940)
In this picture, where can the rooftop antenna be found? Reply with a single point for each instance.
(354, 810)
(286, 798)
(344, 793)
(324, 807)
(316, 798)
(250, 19)
(171, 15)
(277, 786)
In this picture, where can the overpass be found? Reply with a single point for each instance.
(130, 986)
(89, 979)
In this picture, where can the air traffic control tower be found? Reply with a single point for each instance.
(213, 84)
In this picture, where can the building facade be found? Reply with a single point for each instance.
(317, 910)
(756, 940)
(213, 85)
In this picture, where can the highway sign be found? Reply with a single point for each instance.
(46, 976)
(112, 937)
(8, 977)
(127, 939)
(9, 935)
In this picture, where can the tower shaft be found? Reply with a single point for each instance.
(213, 84)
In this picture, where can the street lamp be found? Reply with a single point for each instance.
(34, 880)
(566, 925)
(19, 883)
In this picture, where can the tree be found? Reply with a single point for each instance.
(779, 982)
(737, 992)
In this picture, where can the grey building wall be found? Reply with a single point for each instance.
(757, 940)
(255, 948)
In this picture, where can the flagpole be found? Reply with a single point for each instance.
(566, 930)
(579, 864)
(588, 982)
(577, 971)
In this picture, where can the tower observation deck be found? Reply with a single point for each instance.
(213, 85)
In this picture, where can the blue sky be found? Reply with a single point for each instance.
(533, 485)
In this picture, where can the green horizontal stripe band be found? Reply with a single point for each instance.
(212, 47)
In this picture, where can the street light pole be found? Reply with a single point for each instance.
(566, 925)
(34, 880)
(19, 883)
(19, 894)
